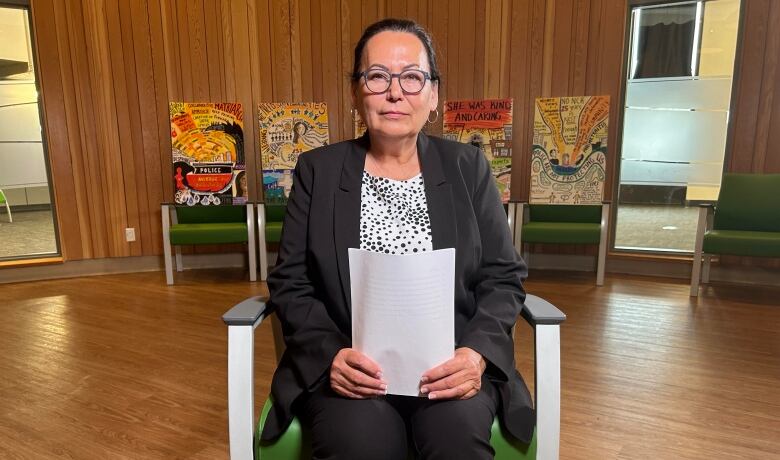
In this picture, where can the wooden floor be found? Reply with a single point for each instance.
(123, 366)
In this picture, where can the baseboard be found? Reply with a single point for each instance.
(107, 266)
(646, 267)
(650, 267)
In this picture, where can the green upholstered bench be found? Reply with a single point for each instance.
(567, 224)
(745, 221)
(243, 318)
(274, 217)
(186, 225)
(4, 201)
(270, 217)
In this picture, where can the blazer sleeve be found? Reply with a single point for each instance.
(497, 286)
(311, 336)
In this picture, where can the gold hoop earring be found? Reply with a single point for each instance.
(435, 118)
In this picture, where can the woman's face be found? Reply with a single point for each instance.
(394, 114)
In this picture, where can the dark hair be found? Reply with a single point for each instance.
(396, 25)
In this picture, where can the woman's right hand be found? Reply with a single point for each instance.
(354, 375)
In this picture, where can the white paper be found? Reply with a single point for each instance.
(403, 314)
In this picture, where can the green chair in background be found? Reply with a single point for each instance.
(745, 221)
(185, 225)
(243, 318)
(4, 201)
(565, 224)
(269, 217)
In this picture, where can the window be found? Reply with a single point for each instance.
(27, 227)
(678, 94)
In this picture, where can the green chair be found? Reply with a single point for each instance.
(207, 225)
(4, 200)
(565, 224)
(745, 221)
(270, 217)
(245, 443)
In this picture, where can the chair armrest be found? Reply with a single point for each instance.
(248, 312)
(539, 311)
(242, 320)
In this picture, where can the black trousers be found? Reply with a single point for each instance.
(387, 427)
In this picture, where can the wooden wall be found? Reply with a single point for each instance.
(755, 138)
(109, 67)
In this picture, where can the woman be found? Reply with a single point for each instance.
(396, 190)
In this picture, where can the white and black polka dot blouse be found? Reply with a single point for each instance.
(394, 215)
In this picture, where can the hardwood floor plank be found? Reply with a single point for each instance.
(123, 366)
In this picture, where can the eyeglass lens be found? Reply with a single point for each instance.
(378, 81)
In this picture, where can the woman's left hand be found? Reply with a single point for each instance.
(458, 378)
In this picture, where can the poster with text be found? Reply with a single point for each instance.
(286, 131)
(207, 142)
(486, 124)
(569, 150)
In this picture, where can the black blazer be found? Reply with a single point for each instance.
(310, 288)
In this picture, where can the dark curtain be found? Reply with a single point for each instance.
(665, 50)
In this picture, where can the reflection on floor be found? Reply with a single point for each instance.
(656, 227)
(32, 232)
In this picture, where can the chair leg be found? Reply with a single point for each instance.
(177, 249)
(526, 254)
(548, 390)
(179, 259)
(705, 272)
(8, 209)
(166, 224)
(519, 221)
(261, 241)
(250, 225)
(697, 253)
(600, 265)
(511, 212)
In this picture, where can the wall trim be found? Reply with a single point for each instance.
(583, 263)
(117, 265)
(655, 267)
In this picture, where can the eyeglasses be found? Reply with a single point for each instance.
(412, 81)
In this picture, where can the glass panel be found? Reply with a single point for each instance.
(26, 213)
(719, 38)
(676, 136)
(674, 126)
(664, 41)
(699, 94)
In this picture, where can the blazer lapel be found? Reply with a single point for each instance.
(346, 222)
(438, 193)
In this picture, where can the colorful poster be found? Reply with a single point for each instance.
(486, 124)
(286, 131)
(569, 150)
(208, 153)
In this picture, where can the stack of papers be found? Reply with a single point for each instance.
(403, 314)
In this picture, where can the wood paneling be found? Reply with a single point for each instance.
(123, 366)
(108, 70)
(754, 139)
